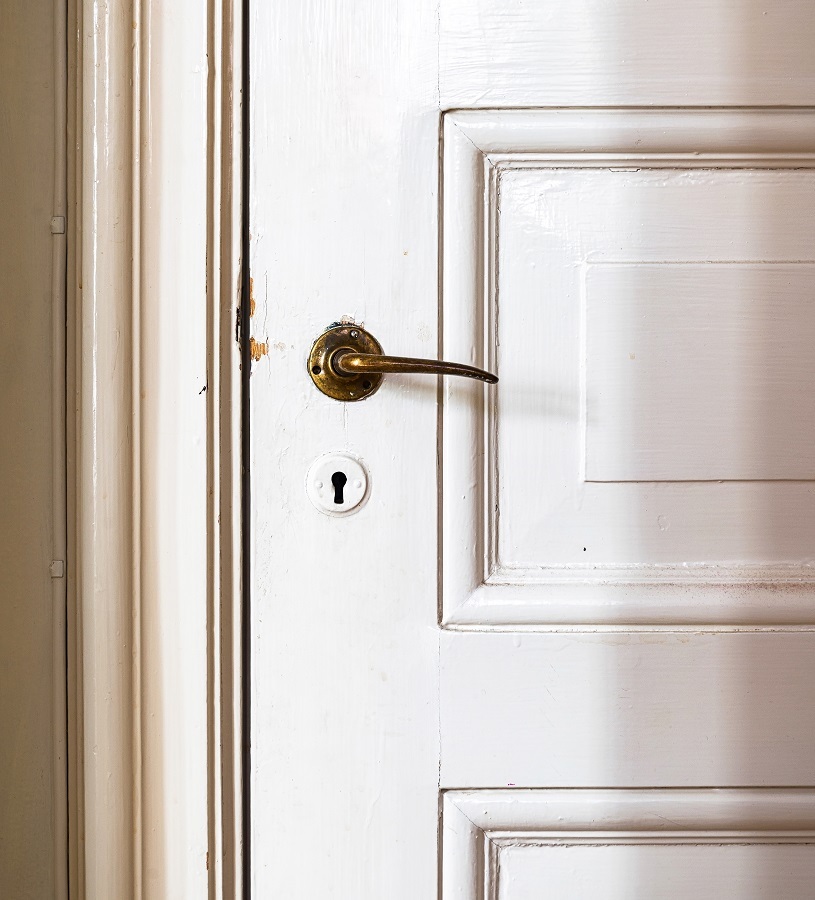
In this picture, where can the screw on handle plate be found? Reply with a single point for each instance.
(347, 363)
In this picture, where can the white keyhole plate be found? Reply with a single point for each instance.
(321, 483)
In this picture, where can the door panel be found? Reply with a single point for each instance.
(642, 280)
(563, 650)
(520, 845)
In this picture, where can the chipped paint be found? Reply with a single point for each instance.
(257, 350)
(251, 297)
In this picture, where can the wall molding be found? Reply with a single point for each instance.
(478, 825)
(479, 590)
(154, 388)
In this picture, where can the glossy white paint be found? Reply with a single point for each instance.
(634, 710)
(643, 357)
(410, 169)
(344, 777)
(499, 55)
(156, 470)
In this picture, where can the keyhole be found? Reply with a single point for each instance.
(338, 479)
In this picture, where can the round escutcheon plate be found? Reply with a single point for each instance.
(338, 484)
(336, 339)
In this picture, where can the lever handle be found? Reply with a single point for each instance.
(348, 363)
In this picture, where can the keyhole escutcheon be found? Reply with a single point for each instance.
(338, 483)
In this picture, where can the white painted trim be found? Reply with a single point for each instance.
(477, 825)
(727, 132)
(477, 590)
(156, 474)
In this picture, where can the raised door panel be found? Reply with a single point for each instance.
(642, 281)
(615, 845)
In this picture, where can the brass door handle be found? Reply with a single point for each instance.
(348, 363)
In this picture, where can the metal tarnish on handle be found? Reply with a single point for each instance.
(347, 363)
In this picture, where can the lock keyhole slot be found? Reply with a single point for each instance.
(339, 480)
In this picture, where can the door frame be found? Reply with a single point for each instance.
(154, 448)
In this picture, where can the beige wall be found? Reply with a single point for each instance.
(27, 783)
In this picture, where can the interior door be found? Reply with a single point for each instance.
(563, 646)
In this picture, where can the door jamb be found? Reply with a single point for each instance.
(154, 437)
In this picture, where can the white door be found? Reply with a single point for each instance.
(565, 649)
